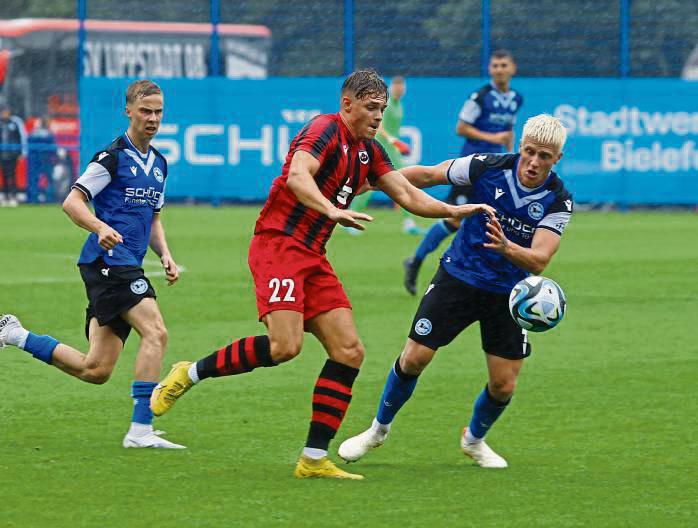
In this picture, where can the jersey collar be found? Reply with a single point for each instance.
(135, 149)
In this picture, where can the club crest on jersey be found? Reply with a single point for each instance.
(363, 157)
(535, 211)
(158, 174)
(139, 287)
(423, 327)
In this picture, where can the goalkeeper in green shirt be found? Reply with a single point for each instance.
(388, 136)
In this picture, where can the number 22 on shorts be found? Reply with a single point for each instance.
(276, 285)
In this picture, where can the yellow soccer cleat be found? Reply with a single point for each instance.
(168, 391)
(321, 468)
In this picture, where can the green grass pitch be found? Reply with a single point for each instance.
(601, 431)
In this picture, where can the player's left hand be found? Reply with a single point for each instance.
(349, 218)
(497, 240)
(171, 271)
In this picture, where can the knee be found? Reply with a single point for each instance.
(157, 336)
(351, 354)
(502, 388)
(285, 348)
(97, 375)
(413, 364)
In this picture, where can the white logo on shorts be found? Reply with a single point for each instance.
(423, 327)
(139, 287)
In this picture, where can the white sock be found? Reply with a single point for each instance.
(379, 428)
(139, 429)
(18, 337)
(314, 453)
(193, 374)
(470, 438)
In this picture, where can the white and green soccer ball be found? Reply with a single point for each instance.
(537, 303)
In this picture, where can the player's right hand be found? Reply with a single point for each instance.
(349, 218)
(108, 237)
(465, 210)
(502, 138)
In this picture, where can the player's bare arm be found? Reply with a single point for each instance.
(534, 259)
(75, 206)
(416, 201)
(158, 243)
(469, 131)
(301, 182)
(427, 175)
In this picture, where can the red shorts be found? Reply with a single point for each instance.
(289, 276)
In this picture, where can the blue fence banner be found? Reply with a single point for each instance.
(631, 141)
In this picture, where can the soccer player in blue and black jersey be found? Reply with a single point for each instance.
(485, 260)
(126, 184)
(486, 121)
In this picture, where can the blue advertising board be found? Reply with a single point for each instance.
(630, 141)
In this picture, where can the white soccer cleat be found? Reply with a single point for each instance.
(357, 446)
(151, 439)
(8, 323)
(481, 453)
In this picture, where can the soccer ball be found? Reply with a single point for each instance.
(537, 303)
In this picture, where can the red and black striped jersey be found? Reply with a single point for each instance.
(345, 164)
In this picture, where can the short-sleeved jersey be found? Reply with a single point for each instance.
(520, 210)
(345, 164)
(489, 110)
(126, 188)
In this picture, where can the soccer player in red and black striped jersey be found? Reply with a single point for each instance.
(296, 287)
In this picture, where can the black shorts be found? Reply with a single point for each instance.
(111, 291)
(458, 195)
(450, 305)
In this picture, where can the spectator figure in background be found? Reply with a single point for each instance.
(62, 174)
(13, 144)
(40, 159)
(486, 121)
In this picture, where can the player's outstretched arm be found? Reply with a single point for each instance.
(158, 243)
(301, 182)
(427, 175)
(416, 201)
(544, 245)
(75, 206)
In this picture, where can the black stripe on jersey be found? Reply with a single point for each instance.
(324, 139)
(327, 169)
(377, 150)
(293, 218)
(83, 189)
(315, 229)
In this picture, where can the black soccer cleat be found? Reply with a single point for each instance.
(411, 271)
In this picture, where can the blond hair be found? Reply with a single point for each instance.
(139, 89)
(546, 130)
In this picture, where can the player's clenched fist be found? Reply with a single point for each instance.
(108, 237)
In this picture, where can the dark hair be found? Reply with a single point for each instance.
(365, 83)
(139, 89)
(502, 54)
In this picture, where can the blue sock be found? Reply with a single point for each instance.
(398, 389)
(140, 392)
(433, 238)
(485, 413)
(41, 347)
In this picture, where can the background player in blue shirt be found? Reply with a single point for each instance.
(126, 183)
(485, 260)
(486, 121)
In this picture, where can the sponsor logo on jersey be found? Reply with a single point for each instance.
(159, 176)
(102, 156)
(363, 157)
(423, 327)
(568, 204)
(139, 287)
(346, 148)
(141, 196)
(133, 169)
(498, 193)
(515, 227)
(535, 210)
